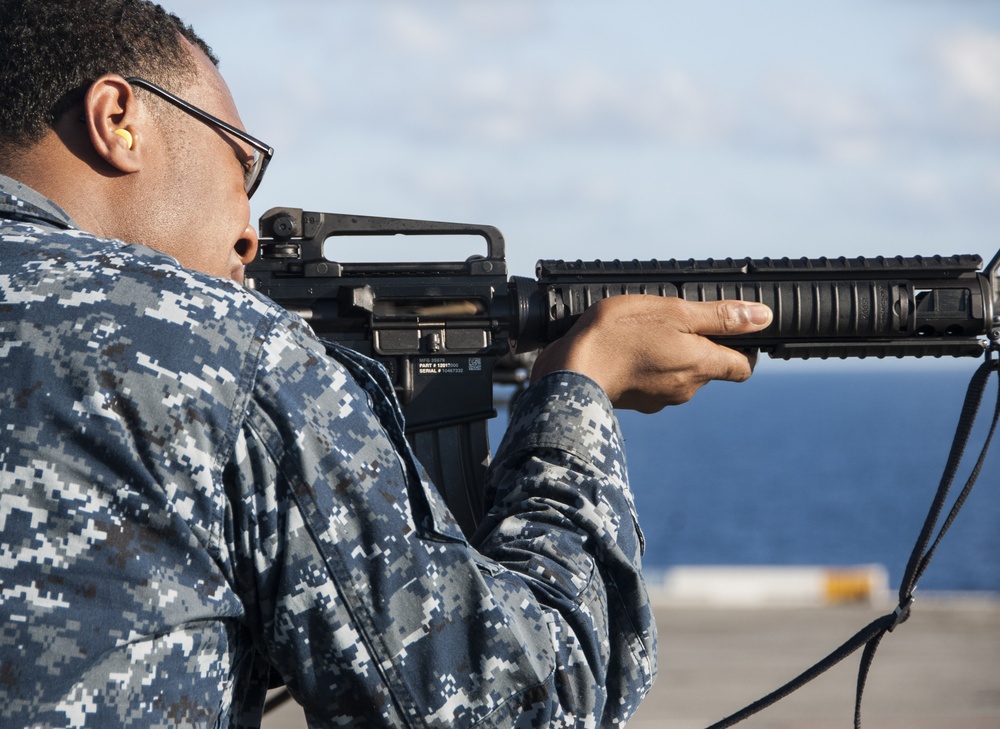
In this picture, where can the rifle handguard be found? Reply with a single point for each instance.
(823, 307)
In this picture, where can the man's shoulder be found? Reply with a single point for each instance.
(46, 258)
(78, 282)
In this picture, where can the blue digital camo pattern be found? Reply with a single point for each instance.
(195, 493)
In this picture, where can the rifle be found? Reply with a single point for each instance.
(446, 331)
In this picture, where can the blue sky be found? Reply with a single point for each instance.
(634, 129)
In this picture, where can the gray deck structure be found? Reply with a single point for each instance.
(939, 670)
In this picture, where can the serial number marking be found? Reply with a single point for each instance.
(440, 366)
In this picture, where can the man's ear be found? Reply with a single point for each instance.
(114, 122)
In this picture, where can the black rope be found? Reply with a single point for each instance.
(921, 556)
(870, 632)
(871, 635)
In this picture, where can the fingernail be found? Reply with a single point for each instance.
(759, 314)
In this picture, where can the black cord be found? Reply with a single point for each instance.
(871, 636)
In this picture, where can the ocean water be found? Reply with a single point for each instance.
(816, 464)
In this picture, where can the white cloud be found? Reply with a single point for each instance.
(678, 106)
(520, 104)
(971, 60)
(440, 29)
(408, 29)
(510, 18)
(921, 192)
(968, 67)
(809, 112)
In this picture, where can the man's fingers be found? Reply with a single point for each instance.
(735, 366)
(649, 351)
(727, 317)
(723, 363)
(738, 317)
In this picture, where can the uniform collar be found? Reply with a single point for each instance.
(20, 202)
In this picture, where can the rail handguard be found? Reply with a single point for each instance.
(440, 329)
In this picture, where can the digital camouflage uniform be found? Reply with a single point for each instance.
(194, 491)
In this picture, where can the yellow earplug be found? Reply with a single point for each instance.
(126, 135)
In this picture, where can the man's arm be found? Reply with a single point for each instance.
(563, 520)
(375, 608)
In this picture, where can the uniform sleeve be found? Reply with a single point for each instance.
(362, 593)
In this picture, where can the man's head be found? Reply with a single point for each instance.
(173, 182)
(50, 53)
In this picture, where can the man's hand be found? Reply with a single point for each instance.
(648, 352)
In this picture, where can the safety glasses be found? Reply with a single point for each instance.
(253, 173)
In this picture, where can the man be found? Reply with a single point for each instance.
(196, 496)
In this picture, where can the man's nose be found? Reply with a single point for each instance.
(246, 246)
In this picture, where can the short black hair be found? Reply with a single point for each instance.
(52, 50)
